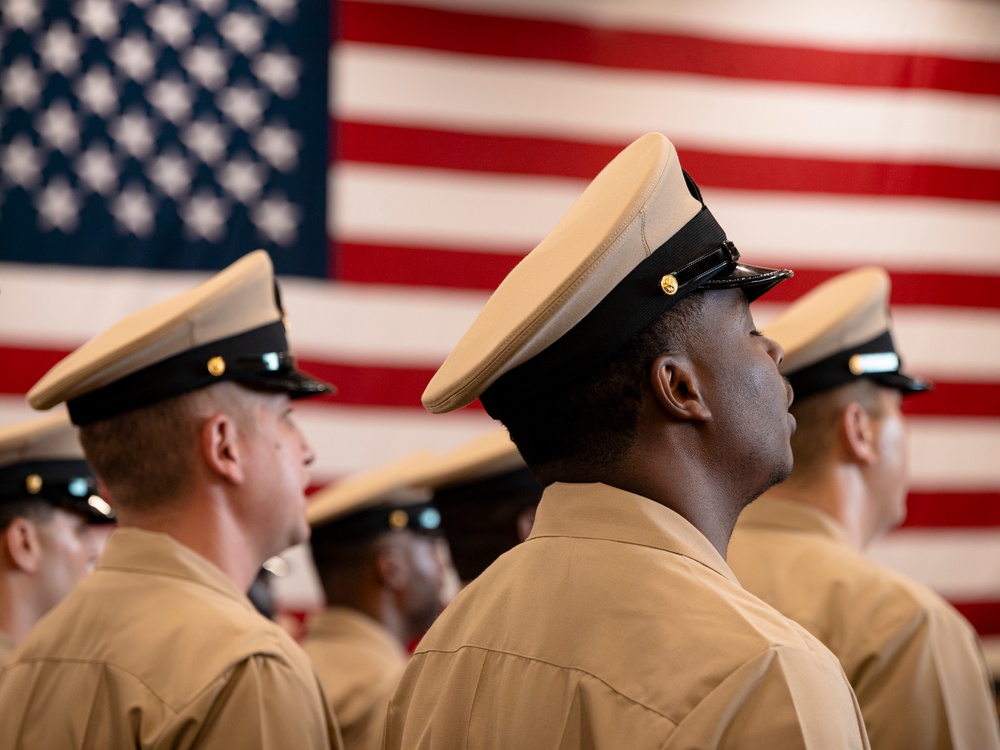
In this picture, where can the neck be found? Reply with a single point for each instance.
(839, 492)
(18, 609)
(204, 523)
(693, 491)
(710, 513)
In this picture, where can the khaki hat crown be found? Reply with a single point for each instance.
(51, 437)
(386, 498)
(485, 456)
(42, 458)
(636, 241)
(839, 332)
(229, 327)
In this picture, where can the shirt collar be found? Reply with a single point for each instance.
(154, 553)
(771, 512)
(599, 511)
(344, 621)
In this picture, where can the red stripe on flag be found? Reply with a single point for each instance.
(984, 616)
(505, 154)
(535, 39)
(472, 152)
(23, 367)
(420, 266)
(482, 269)
(952, 510)
(361, 385)
(384, 385)
(956, 400)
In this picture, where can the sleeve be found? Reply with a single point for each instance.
(931, 671)
(264, 703)
(787, 697)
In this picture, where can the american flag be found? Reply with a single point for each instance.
(824, 136)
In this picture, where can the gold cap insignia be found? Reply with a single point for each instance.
(216, 366)
(398, 519)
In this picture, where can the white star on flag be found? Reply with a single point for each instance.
(58, 127)
(59, 49)
(99, 17)
(280, 71)
(172, 23)
(97, 89)
(97, 169)
(244, 105)
(205, 216)
(172, 174)
(22, 14)
(242, 30)
(134, 55)
(172, 97)
(21, 164)
(206, 139)
(277, 219)
(134, 133)
(133, 209)
(21, 84)
(207, 64)
(243, 178)
(279, 145)
(58, 206)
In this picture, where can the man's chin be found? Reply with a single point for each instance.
(295, 536)
(779, 475)
(300, 535)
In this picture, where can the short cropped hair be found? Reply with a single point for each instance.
(145, 457)
(816, 419)
(592, 420)
(34, 509)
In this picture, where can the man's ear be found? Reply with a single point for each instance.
(857, 433)
(677, 388)
(22, 547)
(221, 448)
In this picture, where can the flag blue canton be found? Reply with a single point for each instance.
(163, 134)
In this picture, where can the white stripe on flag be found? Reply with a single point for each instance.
(398, 85)
(961, 565)
(931, 26)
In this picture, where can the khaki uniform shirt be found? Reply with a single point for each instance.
(359, 663)
(617, 625)
(914, 662)
(159, 649)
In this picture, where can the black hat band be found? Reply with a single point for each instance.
(64, 483)
(876, 359)
(256, 358)
(420, 518)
